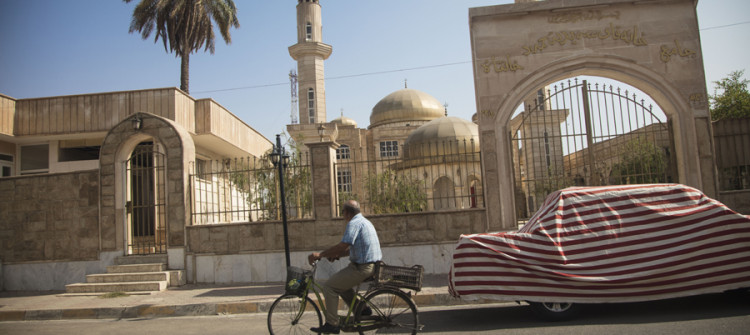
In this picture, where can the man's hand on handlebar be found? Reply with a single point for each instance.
(313, 257)
(332, 254)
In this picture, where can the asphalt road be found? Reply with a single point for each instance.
(710, 314)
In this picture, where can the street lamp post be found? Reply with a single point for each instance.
(280, 160)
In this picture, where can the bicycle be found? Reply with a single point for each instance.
(393, 309)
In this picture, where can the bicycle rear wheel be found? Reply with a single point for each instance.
(393, 312)
(287, 317)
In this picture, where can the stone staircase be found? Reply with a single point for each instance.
(131, 274)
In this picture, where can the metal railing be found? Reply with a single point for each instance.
(732, 143)
(247, 190)
(581, 134)
(427, 177)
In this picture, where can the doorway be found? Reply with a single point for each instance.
(146, 229)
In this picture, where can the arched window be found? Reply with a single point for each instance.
(308, 29)
(444, 196)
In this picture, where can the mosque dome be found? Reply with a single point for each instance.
(445, 135)
(345, 121)
(406, 105)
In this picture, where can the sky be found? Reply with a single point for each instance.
(69, 47)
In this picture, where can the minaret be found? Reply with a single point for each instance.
(310, 52)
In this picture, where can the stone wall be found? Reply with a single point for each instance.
(254, 252)
(308, 235)
(50, 217)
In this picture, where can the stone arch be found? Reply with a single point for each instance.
(658, 88)
(561, 40)
(119, 143)
(444, 193)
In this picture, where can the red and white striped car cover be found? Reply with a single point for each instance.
(609, 244)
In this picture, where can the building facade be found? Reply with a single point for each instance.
(88, 178)
(393, 122)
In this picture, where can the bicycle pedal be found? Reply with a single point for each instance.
(348, 329)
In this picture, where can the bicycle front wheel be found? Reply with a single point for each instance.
(393, 312)
(291, 314)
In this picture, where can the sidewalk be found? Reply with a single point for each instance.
(191, 299)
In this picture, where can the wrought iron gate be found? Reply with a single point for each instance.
(145, 201)
(578, 135)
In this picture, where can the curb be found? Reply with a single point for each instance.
(153, 311)
(206, 309)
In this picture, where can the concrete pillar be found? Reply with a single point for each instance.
(322, 157)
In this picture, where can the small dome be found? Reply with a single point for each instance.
(406, 105)
(437, 136)
(345, 121)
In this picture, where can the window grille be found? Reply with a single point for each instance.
(344, 180)
(389, 149)
(343, 152)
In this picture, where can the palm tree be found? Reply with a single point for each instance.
(184, 26)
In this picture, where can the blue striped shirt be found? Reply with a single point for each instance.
(360, 234)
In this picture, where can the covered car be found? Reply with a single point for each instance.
(622, 243)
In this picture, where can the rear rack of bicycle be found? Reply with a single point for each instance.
(399, 276)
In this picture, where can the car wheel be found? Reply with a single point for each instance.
(556, 311)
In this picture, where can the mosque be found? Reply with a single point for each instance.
(407, 128)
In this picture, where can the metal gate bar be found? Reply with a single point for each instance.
(579, 135)
(146, 201)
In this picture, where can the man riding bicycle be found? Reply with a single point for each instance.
(360, 242)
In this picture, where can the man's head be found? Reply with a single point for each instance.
(350, 209)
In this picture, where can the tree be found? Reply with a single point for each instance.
(260, 183)
(641, 162)
(734, 100)
(184, 26)
(389, 192)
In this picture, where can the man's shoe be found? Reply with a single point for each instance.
(326, 329)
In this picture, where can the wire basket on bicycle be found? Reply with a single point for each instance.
(296, 279)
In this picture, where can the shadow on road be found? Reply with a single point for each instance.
(514, 316)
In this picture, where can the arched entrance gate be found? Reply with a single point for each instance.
(143, 181)
(576, 133)
(519, 48)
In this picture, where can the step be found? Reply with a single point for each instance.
(173, 277)
(128, 277)
(116, 287)
(141, 259)
(177, 278)
(132, 268)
